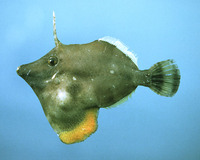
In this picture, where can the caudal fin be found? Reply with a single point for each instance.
(165, 78)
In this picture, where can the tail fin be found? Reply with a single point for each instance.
(165, 78)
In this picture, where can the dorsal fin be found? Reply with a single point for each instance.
(121, 47)
(57, 42)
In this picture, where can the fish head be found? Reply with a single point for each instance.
(42, 72)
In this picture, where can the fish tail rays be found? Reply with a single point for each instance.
(165, 78)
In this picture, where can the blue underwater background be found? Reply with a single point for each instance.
(147, 126)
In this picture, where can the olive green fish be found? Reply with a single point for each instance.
(74, 81)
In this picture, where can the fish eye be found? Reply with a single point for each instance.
(52, 61)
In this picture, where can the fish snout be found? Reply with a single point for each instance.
(23, 71)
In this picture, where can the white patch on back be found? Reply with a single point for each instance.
(120, 46)
(62, 96)
(112, 72)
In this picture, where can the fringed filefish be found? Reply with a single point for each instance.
(74, 81)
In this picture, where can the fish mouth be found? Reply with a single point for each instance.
(27, 74)
(31, 77)
(23, 72)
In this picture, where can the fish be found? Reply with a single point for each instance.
(72, 82)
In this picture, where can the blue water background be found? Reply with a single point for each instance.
(147, 126)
